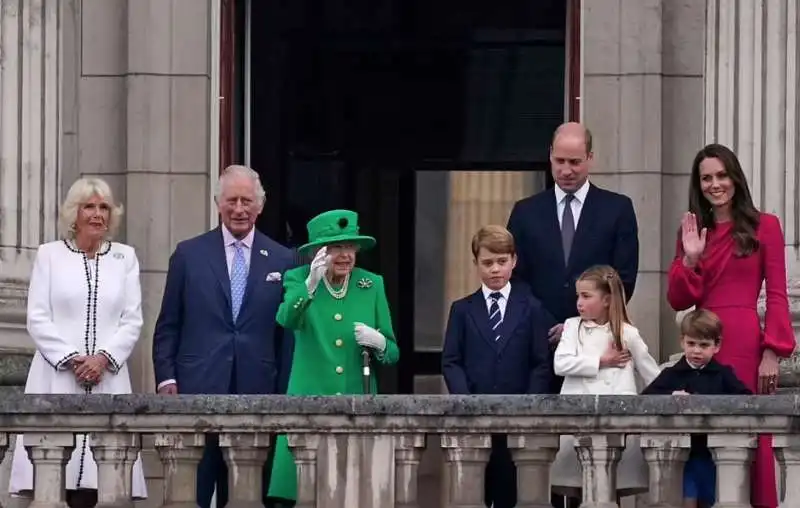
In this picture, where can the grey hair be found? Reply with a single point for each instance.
(241, 171)
(79, 193)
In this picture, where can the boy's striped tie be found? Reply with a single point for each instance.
(495, 317)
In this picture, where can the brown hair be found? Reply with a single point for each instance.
(744, 214)
(495, 239)
(702, 324)
(587, 136)
(607, 280)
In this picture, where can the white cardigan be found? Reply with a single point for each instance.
(57, 316)
(577, 358)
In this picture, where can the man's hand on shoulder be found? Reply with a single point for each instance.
(554, 334)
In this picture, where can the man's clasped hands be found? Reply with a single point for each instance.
(89, 369)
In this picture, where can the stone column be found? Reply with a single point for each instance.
(115, 454)
(407, 455)
(787, 452)
(49, 453)
(533, 455)
(29, 140)
(167, 98)
(733, 454)
(599, 455)
(245, 455)
(180, 454)
(752, 106)
(304, 447)
(466, 456)
(665, 455)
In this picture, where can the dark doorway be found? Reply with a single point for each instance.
(349, 100)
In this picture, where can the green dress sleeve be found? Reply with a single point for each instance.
(384, 321)
(295, 298)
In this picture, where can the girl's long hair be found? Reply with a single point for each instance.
(744, 214)
(607, 280)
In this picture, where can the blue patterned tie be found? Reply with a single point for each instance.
(238, 279)
(495, 316)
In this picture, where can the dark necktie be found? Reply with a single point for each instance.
(495, 316)
(567, 227)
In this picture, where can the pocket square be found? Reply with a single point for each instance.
(274, 277)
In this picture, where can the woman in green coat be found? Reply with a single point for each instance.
(336, 310)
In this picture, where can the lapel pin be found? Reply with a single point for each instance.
(264, 252)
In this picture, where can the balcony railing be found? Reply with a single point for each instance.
(364, 452)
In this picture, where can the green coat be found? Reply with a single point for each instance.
(327, 359)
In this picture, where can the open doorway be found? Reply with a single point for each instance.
(392, 108)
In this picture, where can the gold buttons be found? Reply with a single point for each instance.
(337, 317)
(339, 369)
(338, 393)
(339, 342)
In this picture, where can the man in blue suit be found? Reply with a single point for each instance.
(562, 231)
(216, 332)
(496, 343)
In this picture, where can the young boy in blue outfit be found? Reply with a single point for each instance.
(697, 372)
(496, 343)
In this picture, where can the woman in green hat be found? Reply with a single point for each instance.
(336, 311)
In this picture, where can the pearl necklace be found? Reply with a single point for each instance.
(337, 293)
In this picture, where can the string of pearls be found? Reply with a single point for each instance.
(337, 293)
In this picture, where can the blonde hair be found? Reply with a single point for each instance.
(702, 324)
(78, 194)
(241, 171)
(607, 280)
(495, 239)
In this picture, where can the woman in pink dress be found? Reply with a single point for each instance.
(726, 249)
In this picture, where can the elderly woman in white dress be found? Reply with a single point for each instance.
(84, 316)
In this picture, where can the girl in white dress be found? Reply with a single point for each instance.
(598, 354)
(84, 316)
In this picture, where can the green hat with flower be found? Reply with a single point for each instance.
(335, 226)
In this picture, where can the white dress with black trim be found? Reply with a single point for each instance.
(80, 306)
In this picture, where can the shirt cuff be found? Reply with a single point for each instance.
(162, 384)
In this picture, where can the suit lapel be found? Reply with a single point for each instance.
(219, 263)
(515, 311)
(553, 228)
(590, 210)
(480, 315)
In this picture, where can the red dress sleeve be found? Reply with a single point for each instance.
(778, 334)
(684, 285)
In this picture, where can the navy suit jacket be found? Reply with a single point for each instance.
(473, 362)
(607, 234)
(196, 341)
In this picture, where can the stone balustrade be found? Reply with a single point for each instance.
(364, 452)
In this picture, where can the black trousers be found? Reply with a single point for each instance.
(500, 479)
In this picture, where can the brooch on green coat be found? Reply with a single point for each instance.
(364, 283)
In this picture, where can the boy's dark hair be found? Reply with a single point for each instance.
(495, 239)
(702, 324)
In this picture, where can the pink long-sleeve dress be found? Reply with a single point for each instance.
(729, 286)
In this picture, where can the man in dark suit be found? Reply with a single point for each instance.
(216, 332)
(496, 343)
(562, 231)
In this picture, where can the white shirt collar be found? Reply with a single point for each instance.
(505, 291)
(580, 194)
(229, 239)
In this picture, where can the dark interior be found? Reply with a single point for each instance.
(349, 100)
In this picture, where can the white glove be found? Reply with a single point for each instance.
(367, 336)
(319, 266)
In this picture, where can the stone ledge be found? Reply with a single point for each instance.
(401, 405)
(14, 368)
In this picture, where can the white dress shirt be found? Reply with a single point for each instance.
(577, 203)
(230, 250)
(501, 302)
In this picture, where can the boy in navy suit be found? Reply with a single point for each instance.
(496, 343)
